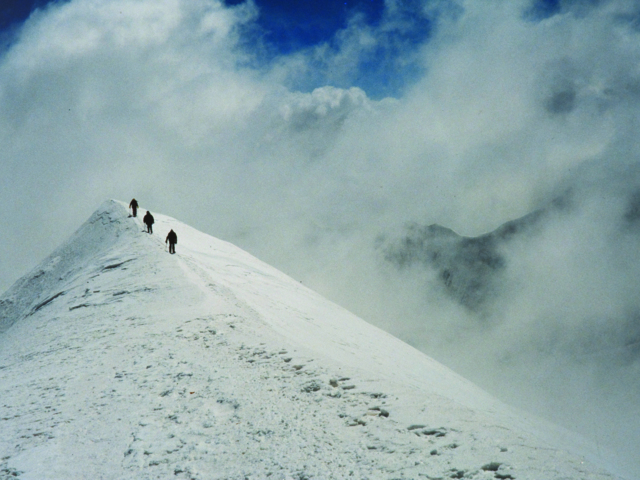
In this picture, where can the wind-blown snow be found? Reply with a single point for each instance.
(120, 361)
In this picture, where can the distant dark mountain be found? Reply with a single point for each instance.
(469, 268)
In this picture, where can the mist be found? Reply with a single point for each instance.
(503, 110)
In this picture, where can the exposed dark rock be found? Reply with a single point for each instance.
(47, 302)
(491, 467)
(415, 427)
(470, 269)
(312, 386)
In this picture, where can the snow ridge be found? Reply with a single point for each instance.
(120, 361)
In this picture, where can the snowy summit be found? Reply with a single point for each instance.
(120, 361)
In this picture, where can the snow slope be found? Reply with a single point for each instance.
(120, 361)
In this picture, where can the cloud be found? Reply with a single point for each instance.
(495, 114)
(377, 55)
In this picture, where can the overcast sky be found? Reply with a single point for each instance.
(305, 132)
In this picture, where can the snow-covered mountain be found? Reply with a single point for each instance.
(121, 361)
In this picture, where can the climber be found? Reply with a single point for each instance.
(134, 206)
(172, 238)
(148, 221)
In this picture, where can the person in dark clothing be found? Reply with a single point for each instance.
(148, 221)
(134, 206)
(172, 238)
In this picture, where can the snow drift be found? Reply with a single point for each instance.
(120, 361)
